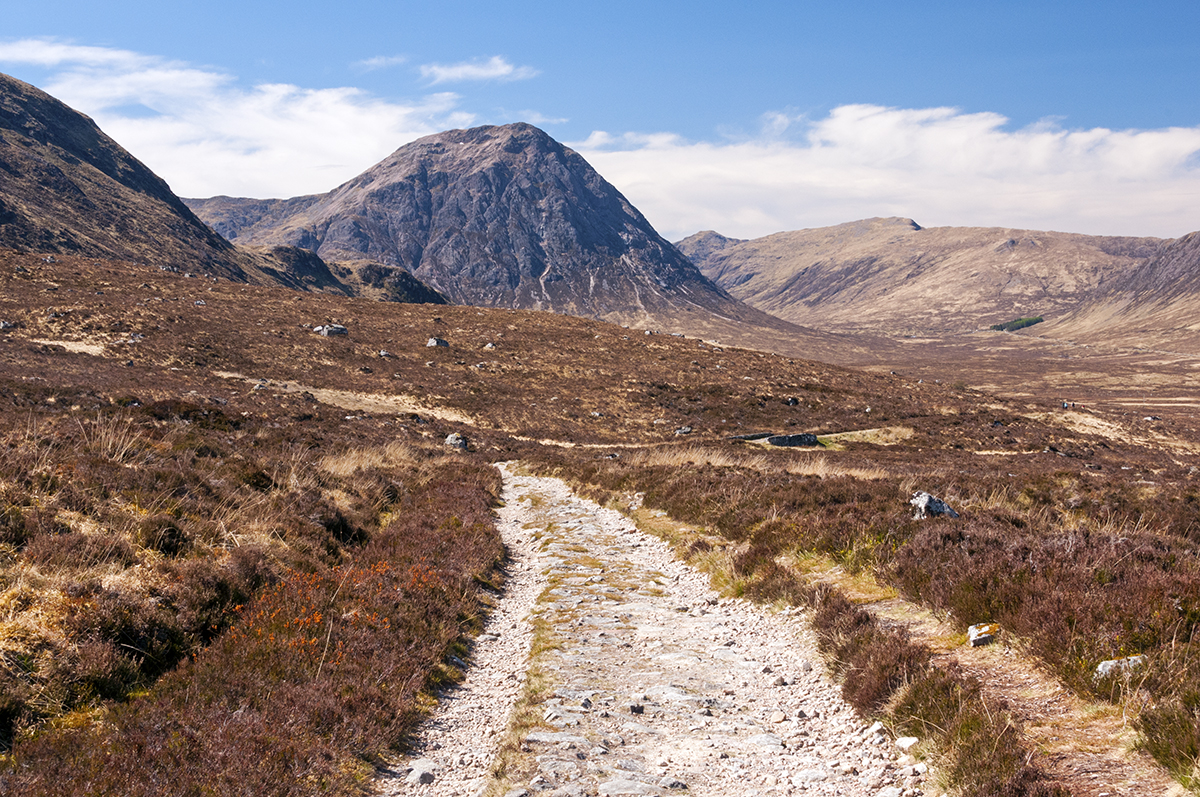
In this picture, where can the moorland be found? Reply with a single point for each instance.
(238, 556)
(193, 479)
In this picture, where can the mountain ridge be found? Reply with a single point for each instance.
(893, 276)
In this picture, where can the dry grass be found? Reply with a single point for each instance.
(392, 455)
(887, 436)
(773, 461)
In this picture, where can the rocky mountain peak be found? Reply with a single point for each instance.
(494, 216)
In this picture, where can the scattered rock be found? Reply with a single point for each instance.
(683, 430)
(456, 440)
(906, 743)
(793, 440)
(983, 634)
(621, 787)
(330, 330)
(672, 783)
(437, 343)
(929, 506)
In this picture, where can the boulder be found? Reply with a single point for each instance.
(683, 430)
(437, 342)
(329, 330)
(1119, 666)
(983, 634)
(929, 506)
(456, 440)
(793, 440)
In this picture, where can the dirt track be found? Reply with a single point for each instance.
(652, 684)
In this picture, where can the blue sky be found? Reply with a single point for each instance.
(1072, 116)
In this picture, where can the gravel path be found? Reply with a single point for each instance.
(657, 686)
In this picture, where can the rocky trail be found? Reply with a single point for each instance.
(649, 683)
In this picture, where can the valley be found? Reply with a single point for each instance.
(249, 482)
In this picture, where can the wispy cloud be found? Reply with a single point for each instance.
(208, 135)
(939, 166)
(536, 118)
(494, 68)
(381, 62)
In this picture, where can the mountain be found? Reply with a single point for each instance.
(892, 276)
(69, 189)
(1154, 306)
(492, 216)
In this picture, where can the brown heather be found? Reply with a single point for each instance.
(235, 553)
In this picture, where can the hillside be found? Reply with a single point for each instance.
(191, 473)
(68, 188)
(1154, 307)
(893, 277)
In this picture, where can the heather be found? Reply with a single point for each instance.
(1084, 567)
(200, 599)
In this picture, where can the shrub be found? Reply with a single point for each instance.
(1015, 324)
(77, 550)
(161, 533)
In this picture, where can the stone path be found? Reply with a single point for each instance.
(656, 686)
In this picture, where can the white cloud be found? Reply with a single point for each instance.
(494, 68)
(51, 53)
(535, 118)
(939, 166)
(208, 135)
(380, 62)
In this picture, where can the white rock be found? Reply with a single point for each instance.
(766, 740)
(1119, 666)
(422, 771)
(906, 743)
(621, 787)
(983, 634)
